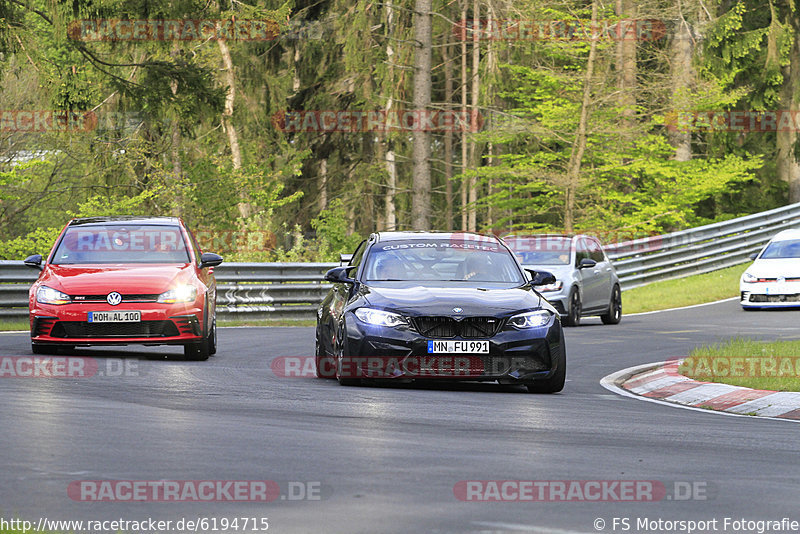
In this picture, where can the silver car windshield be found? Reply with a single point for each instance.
(443, 261)
(543, 250)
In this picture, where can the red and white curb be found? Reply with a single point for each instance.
(661, 383)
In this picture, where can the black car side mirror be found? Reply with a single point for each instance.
(338, 275)
(34, 261)
(209, 259)
(586, 263)
(753, 256)
(541, 278)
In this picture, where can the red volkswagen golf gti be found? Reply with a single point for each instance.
(124, 280)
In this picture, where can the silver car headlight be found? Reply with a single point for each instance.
(551, 287)
(48, 295)
(532, 319)
(380, 317)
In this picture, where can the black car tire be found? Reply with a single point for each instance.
(555, 383)
(43, 349)
(320, 359)
(342, 380)
(614, 315)
(574, 308)
(212, 349)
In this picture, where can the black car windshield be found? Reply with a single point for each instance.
(456, 260)
(781, 249)
(118, 243)
(541, 250)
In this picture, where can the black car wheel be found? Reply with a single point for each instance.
(212, 338)
(43, 349)
(343, 352)
(614, 314)
(555, 383)
(322, 362)
(200, 352)
(573, 317)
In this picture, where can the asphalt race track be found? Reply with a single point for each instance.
(386, 459)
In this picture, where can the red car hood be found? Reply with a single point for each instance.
(101, 279)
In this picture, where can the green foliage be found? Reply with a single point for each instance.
(39, 241)
(332, 234)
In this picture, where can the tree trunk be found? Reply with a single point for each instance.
(390, 212)
(788, 165)
(448, 140)
(245, 209)
(464, 130)
(626, 63)
(323, 184)
(682, 75)
(421, 196)
(579, 145)
(473, 148)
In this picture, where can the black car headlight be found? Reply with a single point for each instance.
(532, 319)
(380, 317)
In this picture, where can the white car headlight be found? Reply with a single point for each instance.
(379, 317)
(530, 319)
(749, 278)
(551, 287)
(184, 293)
(48, 295)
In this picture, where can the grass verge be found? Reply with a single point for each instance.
(11, 325)
(697, 289)
(773, 365)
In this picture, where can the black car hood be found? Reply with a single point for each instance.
(416, 299)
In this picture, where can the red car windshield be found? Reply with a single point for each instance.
(118, 243)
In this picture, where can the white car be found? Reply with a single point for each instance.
(773, 280)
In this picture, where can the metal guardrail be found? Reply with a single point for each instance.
(698, 250)
(294, 290)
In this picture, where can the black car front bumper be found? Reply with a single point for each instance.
(515, 355)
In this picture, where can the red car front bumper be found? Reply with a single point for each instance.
(161, 324)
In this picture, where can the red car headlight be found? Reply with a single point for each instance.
(48, 295)
(184, 293)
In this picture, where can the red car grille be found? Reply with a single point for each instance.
(138, 297)
(78, 329)
(469, 327)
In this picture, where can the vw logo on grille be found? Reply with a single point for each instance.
(781, 279)
(457, 310)
(114, 298)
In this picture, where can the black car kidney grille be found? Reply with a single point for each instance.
(138, 297)
(77, 329)
(468, 327)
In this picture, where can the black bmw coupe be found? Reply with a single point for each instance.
(435, 305)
